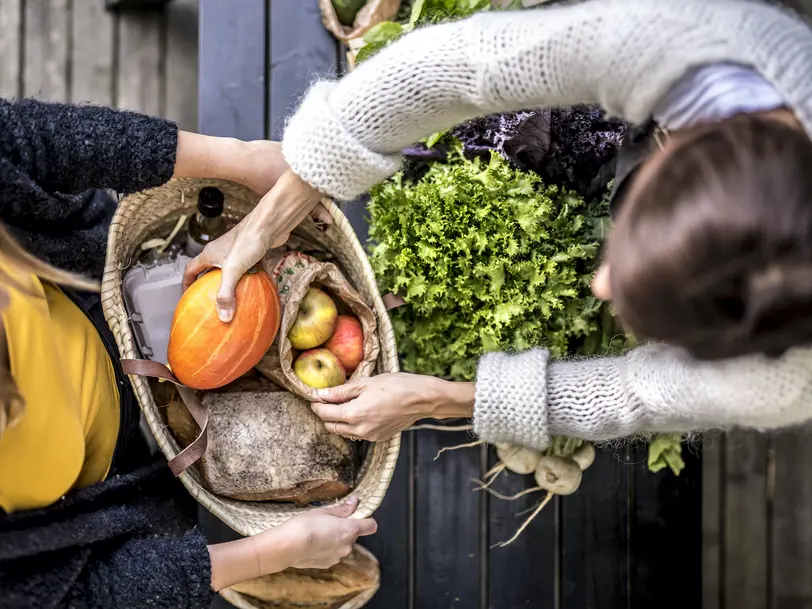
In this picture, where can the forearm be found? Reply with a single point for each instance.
(347, 135)
(524, 399)
(238, 561)
(205, 156)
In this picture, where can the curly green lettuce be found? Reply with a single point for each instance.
(488, 258)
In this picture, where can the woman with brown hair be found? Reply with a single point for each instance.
(712, 245)
(87, 517)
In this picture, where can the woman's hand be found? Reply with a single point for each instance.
(379, 407)
(317, 539)
(320, 538)
(267, 226)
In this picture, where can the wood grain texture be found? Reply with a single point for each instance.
(595, 536)
(746, 541)
(92, 53)
(141, 62)
(447, 530)
(232, 52)
(523, 574)
(11, 37)
(713, 447)
(301, 49)
(47, 43)
(392, 545)
(181, 63)
(791, 567)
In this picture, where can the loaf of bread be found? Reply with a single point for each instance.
(355, 578)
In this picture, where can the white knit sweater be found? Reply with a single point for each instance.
(624, 55)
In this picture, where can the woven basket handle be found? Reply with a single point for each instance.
(189, 455)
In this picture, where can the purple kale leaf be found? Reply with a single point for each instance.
(574, 147)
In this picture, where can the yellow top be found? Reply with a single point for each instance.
(68, 431)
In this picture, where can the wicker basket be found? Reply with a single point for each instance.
(241, 601)
(153, 213)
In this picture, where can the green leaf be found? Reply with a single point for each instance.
(665, 451)
(383, 33)
(434, 138)
(417, 11)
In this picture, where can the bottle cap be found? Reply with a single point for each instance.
(210, 201)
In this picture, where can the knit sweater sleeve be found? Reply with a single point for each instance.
(524, 399)
(170, 573)
(621, 54)
(68, 149)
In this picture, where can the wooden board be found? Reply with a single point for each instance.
(791, 535)
(181, 63)
(11, 37)
(232, 93)
(141, 62)
(46, 31)
(523, 574)
(300, 49)
(746, 541)
(666, 534)
(448, 535)
(393, 546)
(713, 451)
(595, 536)
(92, 56)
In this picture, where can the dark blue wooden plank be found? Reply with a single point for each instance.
(594, 536)
(448, 524)
(666, 534)
(523, 574)
(300, 49)
(232, 98)
(391, 544)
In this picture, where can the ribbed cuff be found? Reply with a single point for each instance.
(321, 150)
(511, 399)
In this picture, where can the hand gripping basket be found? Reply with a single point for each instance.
(153, 213)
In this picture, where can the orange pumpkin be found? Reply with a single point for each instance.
(204, 352)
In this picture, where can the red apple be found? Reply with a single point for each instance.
(319, 369)
(347, 342)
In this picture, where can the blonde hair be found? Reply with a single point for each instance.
(20, 262)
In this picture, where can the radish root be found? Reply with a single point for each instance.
(530, 518)
(468, 445)
(490, 491)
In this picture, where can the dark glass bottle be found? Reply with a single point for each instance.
(208, 223)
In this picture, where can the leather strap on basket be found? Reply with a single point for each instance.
(189, 455)
(392, 301)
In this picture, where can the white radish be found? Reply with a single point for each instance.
(468, 445)
(584, 456)
(558, 475)
(518, 459)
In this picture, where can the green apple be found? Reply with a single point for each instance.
(319, 369)
(315, 321)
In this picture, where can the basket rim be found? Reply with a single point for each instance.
(117, 318)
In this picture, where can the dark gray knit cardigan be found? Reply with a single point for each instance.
(129, 541)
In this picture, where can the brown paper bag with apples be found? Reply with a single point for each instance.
(328, 333)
